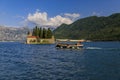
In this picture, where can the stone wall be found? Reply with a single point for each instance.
(40, 41)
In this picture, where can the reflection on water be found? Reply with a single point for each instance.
(44, 62)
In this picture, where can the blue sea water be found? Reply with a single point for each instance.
(97, 61)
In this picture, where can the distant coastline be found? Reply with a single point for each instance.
(83, 40)
(64, 41)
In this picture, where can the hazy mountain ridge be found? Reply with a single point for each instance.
(12, 33)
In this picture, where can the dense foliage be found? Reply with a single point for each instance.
(42, 33)
(91, 28)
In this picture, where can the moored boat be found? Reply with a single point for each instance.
(69, 46)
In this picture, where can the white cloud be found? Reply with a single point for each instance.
(41, 19)
(58, 20)
(74, 15)
(38, 18)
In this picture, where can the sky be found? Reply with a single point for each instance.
(21, 13)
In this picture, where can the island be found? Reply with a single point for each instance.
(40, 36)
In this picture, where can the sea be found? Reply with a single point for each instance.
(96, 61)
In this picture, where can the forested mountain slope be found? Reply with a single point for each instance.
(91, 28)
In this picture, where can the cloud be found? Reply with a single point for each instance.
(58, 20)
(42, 19)
(74, 15)
(38, 18)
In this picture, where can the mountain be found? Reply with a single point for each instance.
(91, 28)
(13, 34)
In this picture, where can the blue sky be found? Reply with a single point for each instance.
(53, 12)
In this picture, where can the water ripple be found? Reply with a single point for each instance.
(45, 62)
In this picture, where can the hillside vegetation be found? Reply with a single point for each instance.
(91, 28)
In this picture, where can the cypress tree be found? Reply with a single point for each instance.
(40, 32)
(44, 33)
(28, 32)
(36, 31)
(49, 33)
(33, 33)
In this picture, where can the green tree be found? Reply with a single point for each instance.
(40, 32)
(33, 33)
(44, 33)
(28, 32)
(36, 31)
(49, 33)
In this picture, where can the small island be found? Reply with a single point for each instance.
(40, 36)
